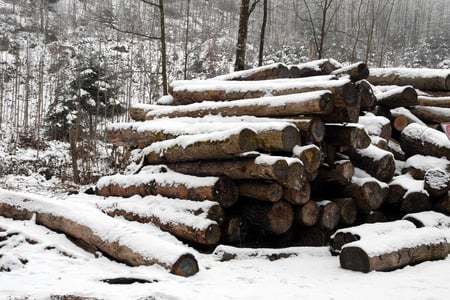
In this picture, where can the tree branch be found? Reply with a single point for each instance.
(150, 3)
(252, 8)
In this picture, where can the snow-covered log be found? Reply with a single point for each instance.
(311, 156)
(443, 204)
(395, 148)
(394, 250)
(356, 71)
(170, 215)
(118, 240)
(260, 190)
(368, 98)
(418, 139)
(314, 68)
(287, 171)
(434, 101)
(431, 114)
(159, 180)
(377, 162)
(226, 253)
(366, 231)
(137, 111)
(272, 71)
(351, 135)
(418, 165)
(307, 214)
(193, 91)
(312, 129)
(319, 102)
(437, 183)
(424, 79)
(397, 97)
(429, 219)
(340, 171)
(376, 125)
(402, 117)
(408, 194)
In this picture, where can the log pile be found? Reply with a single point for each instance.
(298, 151)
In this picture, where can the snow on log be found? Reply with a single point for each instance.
(314, 68)
(434, 101)
(347, 209)
(260, 190)
(397, 97)
(424, 79)
(159, 180)
(418, 139)
(394, 250)
(138, 111)
(272, 71)
(318, 102)
(276, 217)
(124, 242)
(395, 148)
(368, 98)
(311, 157)
(307, 214)
(171, 215)
(193, 91)
(340, 171)
(376, 125)
(377, 162)
(402, 117)
(366, 231)
(356, 71)
(409, 194)
(217, 145)
(368, 192)
(289, 172)
(437, 183)
(418, 165)
(431, 114)
(329, 215)
(429, 219)
(351, 135)
(298, 195)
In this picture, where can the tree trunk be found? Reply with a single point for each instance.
(402, 117)
(377, 162)
(329, 215)
(418, 139)
(434, 101)
(432, 114)
(357, 71)
(312, 129)
(298, 196)
(397, 97)
(272, 71)
(368, 98)
(241, 45)
(369, 195)
(377, 126)
(163, 47)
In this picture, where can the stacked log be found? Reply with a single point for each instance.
(291, 152)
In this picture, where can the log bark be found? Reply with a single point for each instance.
(319, 102)
(368, 193)
(274, 217)
(437, 183)
(425, 248)
(397, 97)
(418, 165)
(348, 211)
(350, 135)
(423, 79)
(357, 71)
(314, 68)
(307, 214)
(312, 129)
(272, 71)
(138, 111)
(442, 205)
(207, 235)
(418, 139)
(395, 148)
(311, 157)
(341, 171)
(431, 114)
(265, 167)
(298, 196)
(415, 201)
(234, 230)
(52, 215)
(434, 101)
(402, 117)
(170, 184)
(368, 98)
(329, 215)
(188, 92)
(377, 162)
(220, 145)
(260, 190)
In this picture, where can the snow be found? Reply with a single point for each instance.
(265, 159)
(410, 72)
(429, 135)
(437, 179)
(245, 73)
(373, 124)
(407, 182)
(404, 111)
(425, 163)
(374, 152)
(360, 177)
(396, 240)
(160, 174)
(431, 219)
(440, 111)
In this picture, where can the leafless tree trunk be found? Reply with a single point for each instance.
(241, 46)
(262, 35)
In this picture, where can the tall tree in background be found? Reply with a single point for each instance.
(241, 46)
(262, 35)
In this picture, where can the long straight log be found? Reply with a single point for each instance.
(418, 165)
(287, 171)
(168, 215)
(434, 101)
(431, 114)
(307, 214)
(424, 79)
(366, 231)
(395, 250)
(402, 117)
(260, 190)
(319, 102)
(356, 71)
(418, 139)
(117, 239)
(377, 162)
(397, 97)
(159, 180)
(218, 145)
(351, 135)
(314, 68)
(272, 71)
(138, 111)
(188, 92)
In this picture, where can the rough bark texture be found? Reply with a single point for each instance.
(375, 161)
(311, 157)
(329, 215)
(273, 71)
(434, 101)
(398, 97)
(368, 98)
(260, 190)
(417, 139)
(437, 183)
(431, 114)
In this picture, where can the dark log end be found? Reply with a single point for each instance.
(317, 129)
(291, 137)
(280, 217)
(275, 192)
(212, 235)
(350, 94)
(355, 259)
(216, 213)
(415, 202)
(226, 192)
(185, 266)
(410, 94)
(248, 140)
(362, 72)
(298, 196)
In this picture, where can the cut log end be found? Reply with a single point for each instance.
(185, 266)
(355, 259)
(226, 192)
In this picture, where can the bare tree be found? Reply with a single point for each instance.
(241, 46)
(262, 35)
